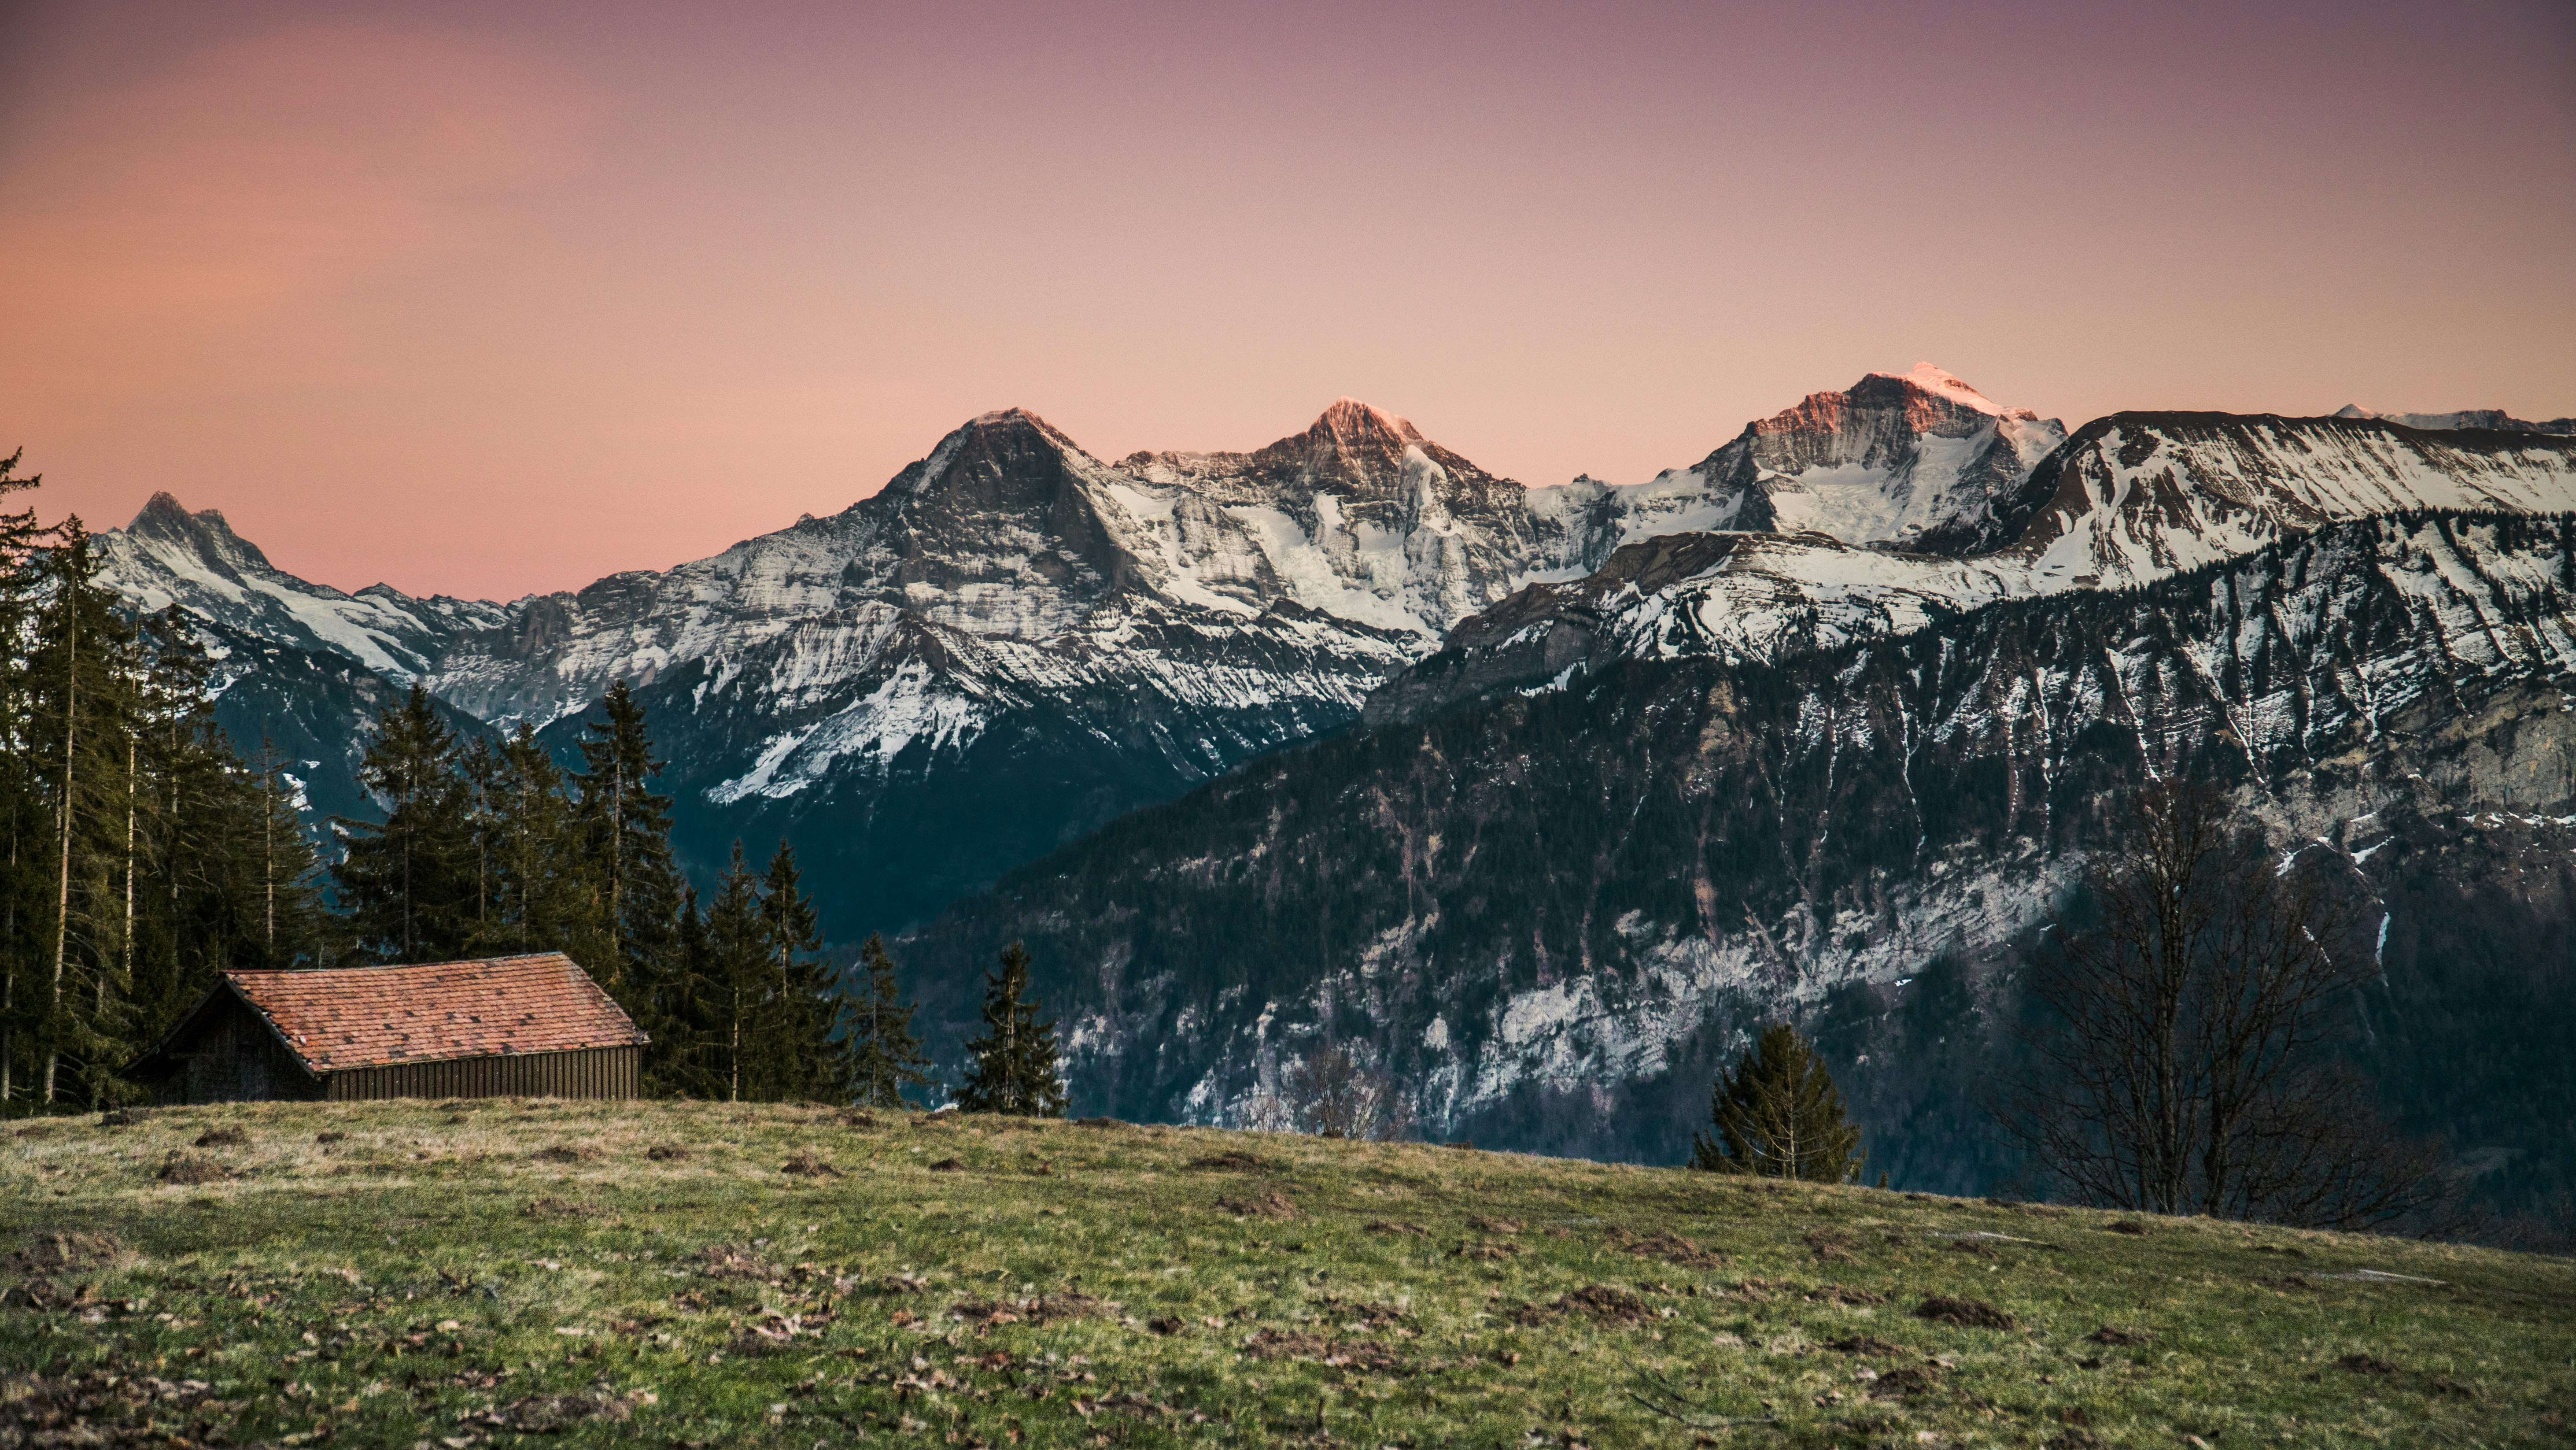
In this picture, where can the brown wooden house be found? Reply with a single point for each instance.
(532, 1026)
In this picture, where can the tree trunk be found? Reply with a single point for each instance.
(63, 891)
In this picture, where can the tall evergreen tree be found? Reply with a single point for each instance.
(22, 810)
(885, 1057)
(1778, 1115)
(82, 705)
(537, 898)
(805, 1054)
(626, 833)
(738, 974)
(408, 883)
(1015, 1068)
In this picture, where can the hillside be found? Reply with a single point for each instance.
(463, 1274)
(1553, 917)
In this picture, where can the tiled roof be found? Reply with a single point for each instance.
(377, 1016)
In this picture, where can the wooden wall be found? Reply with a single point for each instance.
(228, 1055)
(597, 1072)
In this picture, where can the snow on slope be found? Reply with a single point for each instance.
(168, 556)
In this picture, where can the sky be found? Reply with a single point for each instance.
(492, 299)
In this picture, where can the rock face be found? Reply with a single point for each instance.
(194, 560)
(2495, 419)
(1554, 915)
(2127, 500)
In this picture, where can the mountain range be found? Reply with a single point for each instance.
(1587, 781)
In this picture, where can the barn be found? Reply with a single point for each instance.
(526, 1026)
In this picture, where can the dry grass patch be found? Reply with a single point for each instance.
(185, 1168)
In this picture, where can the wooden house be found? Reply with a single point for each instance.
(531, 1026)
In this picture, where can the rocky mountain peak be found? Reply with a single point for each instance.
(1351, 423)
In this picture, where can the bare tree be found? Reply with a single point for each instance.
(1336, 1093)
(2184, 1052)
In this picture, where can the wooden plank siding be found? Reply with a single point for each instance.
(597, 1072)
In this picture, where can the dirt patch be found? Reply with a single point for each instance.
(667, 1153)
(1231, 1162)
(726, 1261)
(1850, 1294)
(949, 1165)
(1904, 1384)
(1972, 1313)
(565, 1153)
(806, 1163)
(181, 1168)
(1396, 1228)
(1830, 1245)
(1485, 1251)
(40, 1130)
(551, 1207)
(1484, 1225)
(546, 1414)
(2116, 1336)
(65, 1252)
(2129, 1226)
(1604, 1304)
(2366, 1364)
(326, 1139)
(1273, 1204)
(1671, 1248)
(1335, 1353)
(1864, 1344)
(857, 1119)
(123, 1117)
(1974, 1248)
(222, 1138)
(1757, 1291)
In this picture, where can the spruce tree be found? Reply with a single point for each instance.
(738, 975)
(885, 1058)
(627, 837)
(408, 883)
(805, 1055)
(1778, 1115)
(1015, 1060)
(536, 898)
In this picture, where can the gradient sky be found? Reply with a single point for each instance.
(497, 298)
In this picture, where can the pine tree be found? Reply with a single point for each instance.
(1778, 1115)
(738, 974)
(1015, 1060)
(408, 883)
(537, 897)
(627, 838)
(885, 1058)
(81, 679)
(805, 1054)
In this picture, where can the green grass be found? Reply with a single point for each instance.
(437, 1276)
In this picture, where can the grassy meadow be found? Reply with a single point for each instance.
(504, 1272)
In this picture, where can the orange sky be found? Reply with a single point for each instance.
(489, 299)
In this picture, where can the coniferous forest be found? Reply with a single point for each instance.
(146, 855)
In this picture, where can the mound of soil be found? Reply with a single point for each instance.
(1972, 1313)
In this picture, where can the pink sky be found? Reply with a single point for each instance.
(490, 299)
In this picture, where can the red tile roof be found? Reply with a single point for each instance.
(377, 1016)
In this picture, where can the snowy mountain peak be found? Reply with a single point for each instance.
(1351, 421)
(1940, 383)
(168, 524)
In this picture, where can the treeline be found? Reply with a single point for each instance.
(145, 857)
(142, 855)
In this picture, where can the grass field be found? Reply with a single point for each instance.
(691, 1274)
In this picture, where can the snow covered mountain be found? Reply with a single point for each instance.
(2491, 418)
(1556, 917)
(2126, 500)
(195, 560)
(1016, 641)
